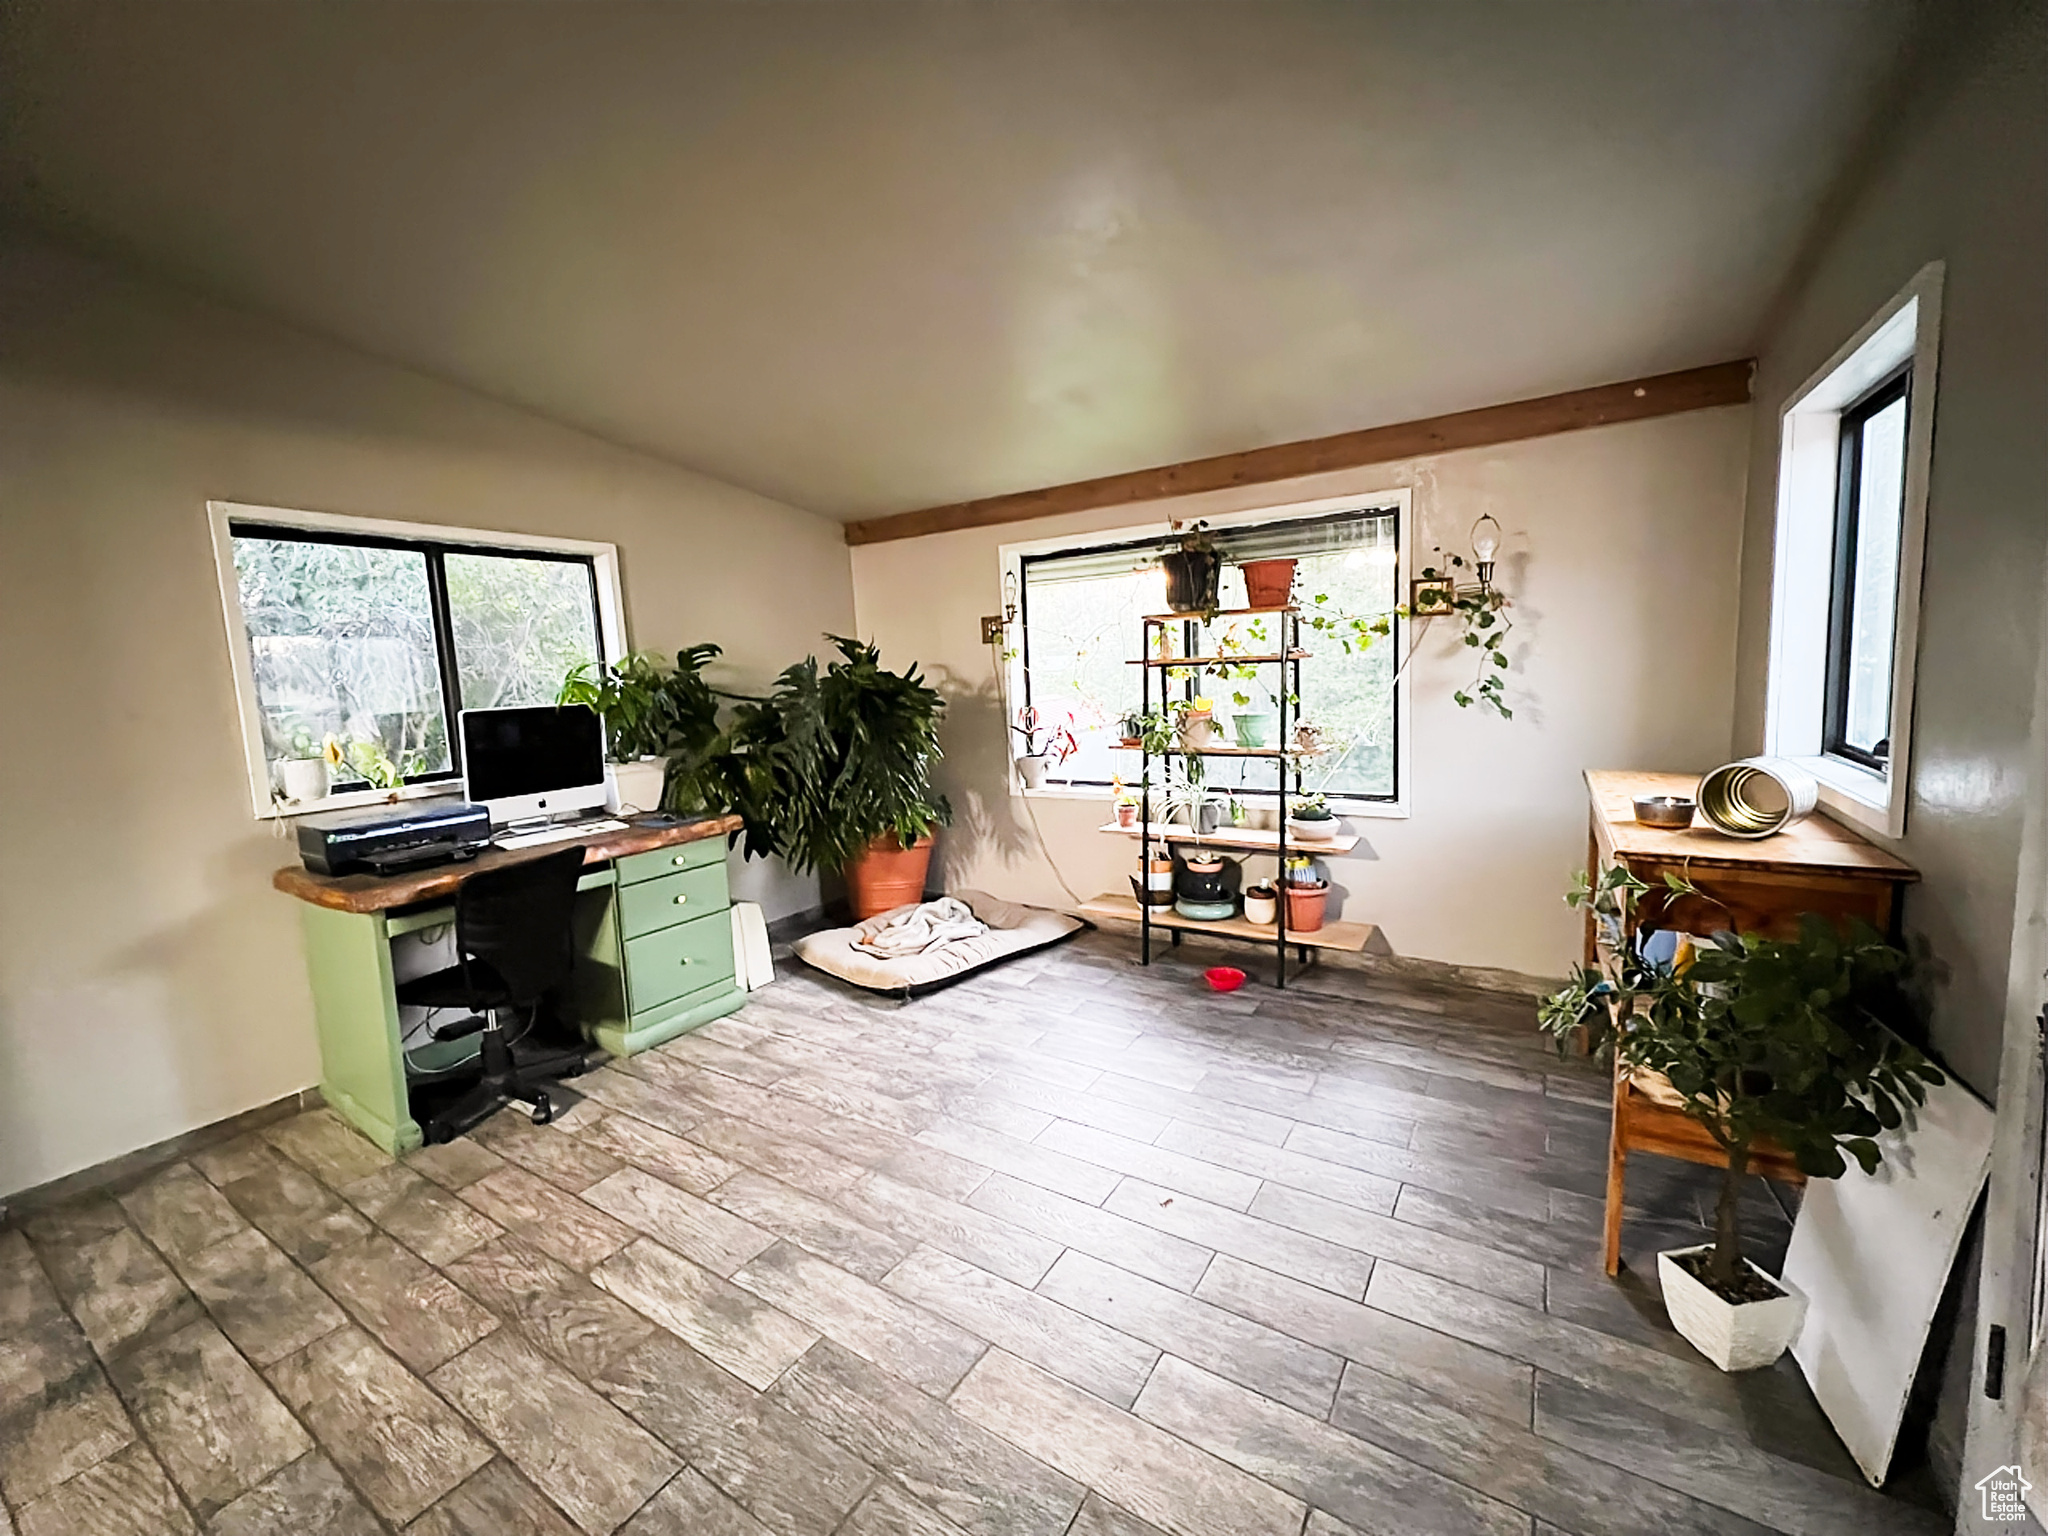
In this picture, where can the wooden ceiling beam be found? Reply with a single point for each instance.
(1665, 394)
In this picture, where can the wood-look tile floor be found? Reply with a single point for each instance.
(1074, 1247)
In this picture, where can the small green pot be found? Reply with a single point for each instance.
(1255, 730)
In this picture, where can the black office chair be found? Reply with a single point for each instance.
(515, 944)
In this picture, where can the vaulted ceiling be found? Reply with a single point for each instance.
(870, 255)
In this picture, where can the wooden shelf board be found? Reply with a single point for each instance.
(1214, 661)
(1356, 938)
(1242, 839)
(1220, 613)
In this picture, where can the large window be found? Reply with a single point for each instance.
(1854, 457)
(378, 639)
(1081, 612)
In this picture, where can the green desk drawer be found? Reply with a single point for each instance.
(636, 867)
(653, 905)
(661, 967)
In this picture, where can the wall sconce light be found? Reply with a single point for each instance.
(1485, 545)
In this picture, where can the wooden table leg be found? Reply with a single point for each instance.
(1617, 1179)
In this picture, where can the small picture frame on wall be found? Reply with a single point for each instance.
(1431, 596)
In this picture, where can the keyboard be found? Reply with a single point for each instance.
(568, 832)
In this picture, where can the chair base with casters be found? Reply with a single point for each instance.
(515, 949)
(509, 1076)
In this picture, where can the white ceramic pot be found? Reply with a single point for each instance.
(1262, 910)
(1031, 769)
(305, 779)
(1314, 831)
(1197, 731)
(1735, 1338)
(635, 786)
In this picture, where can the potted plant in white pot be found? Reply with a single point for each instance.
(661, 727)
(1047, 744)
(302, 773)
(1310, 818)
(1792, 1042)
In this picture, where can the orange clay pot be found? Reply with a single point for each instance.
(887, 875)
(1305, 905)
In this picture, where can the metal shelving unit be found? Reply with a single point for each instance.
(1290, 655)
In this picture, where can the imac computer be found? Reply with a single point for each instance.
(533, 764)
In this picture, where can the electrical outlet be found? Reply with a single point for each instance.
(992, 629)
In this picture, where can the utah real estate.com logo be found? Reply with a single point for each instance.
(2004, 1492)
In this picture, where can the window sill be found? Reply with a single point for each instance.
(354, 799)
(1858, 795)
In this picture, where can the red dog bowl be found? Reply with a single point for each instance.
(1224, 978)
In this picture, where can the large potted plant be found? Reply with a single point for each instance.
(1788, 1041)
(661, 727)
(833, 771)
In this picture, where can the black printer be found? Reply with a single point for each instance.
(387, 839)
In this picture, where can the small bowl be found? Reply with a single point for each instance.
(1224, 978)
(1673, 813)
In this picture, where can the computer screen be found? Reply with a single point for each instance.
(533, 761)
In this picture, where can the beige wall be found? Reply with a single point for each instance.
(1621, 556)
(150, 979)
(1965, 181)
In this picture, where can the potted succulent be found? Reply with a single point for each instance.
(1130, 730)
(1306, 894)
(1793, 1042)
(1261, 904)
(302, 773)
(1310, 818)
(1191, 568)
(1267, 583)
(1126, 803)
(660, 724)
(1040, 756)
(833, 770)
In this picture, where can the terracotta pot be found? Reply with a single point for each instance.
(1305, 906)
(887, 875)
(1127, 815)
(1268, 583)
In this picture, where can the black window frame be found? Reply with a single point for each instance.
(1895, 388)
(435, 552)
(1192, 630)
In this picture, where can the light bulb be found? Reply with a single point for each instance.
(1485, 545)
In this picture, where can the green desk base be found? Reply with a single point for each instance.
(355, 1008)
(650, 1030)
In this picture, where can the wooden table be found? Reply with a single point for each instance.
(1753, 886)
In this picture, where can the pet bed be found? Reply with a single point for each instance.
(1012, 930)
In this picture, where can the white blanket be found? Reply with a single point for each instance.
(918, 929)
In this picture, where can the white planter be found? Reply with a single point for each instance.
(1324, 831)
(1031, 769)
(1735, 1338)
(305, 779)
(1262, 910)
(635, 786)
(1197, 731)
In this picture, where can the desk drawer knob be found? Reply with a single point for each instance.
(686, 960)
(680, 860)
(681, 899)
